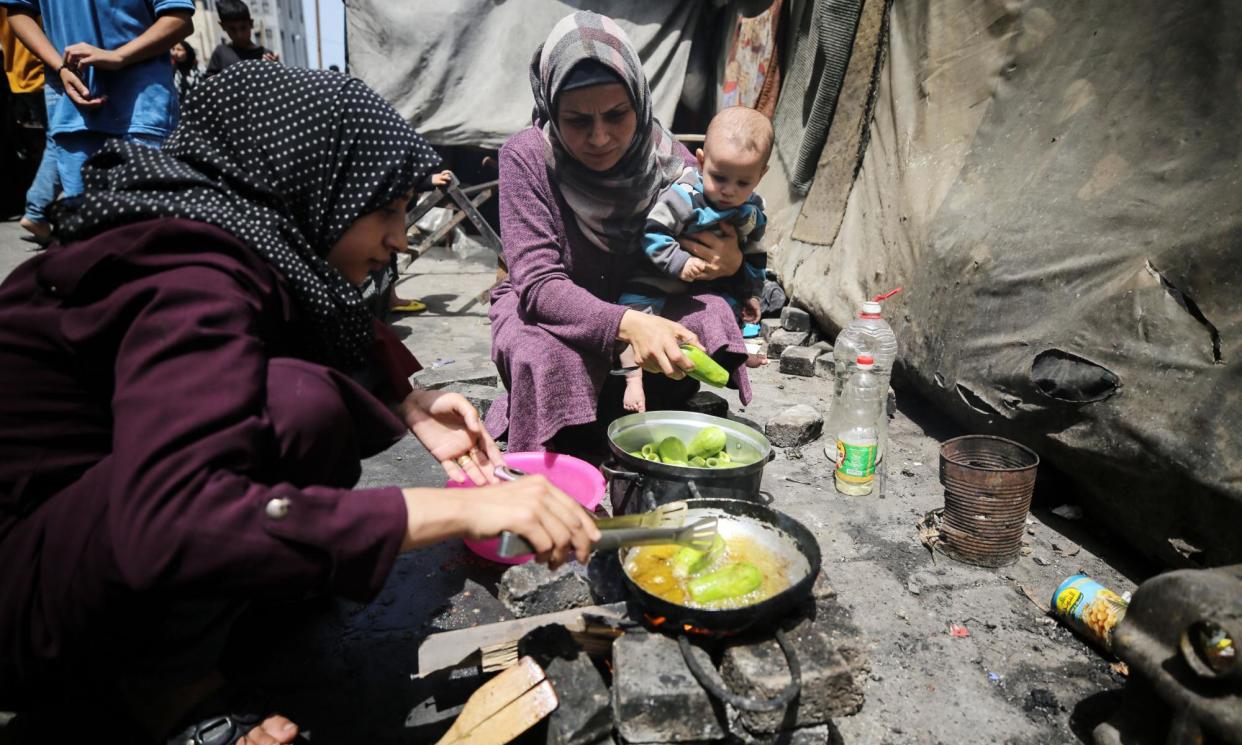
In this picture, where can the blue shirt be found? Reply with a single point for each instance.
(141, 97)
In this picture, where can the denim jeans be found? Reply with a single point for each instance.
(47, 179)
(73, 148)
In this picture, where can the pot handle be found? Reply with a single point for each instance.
(610, 473)
(746, 703)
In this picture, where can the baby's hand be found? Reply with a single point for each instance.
(693, 269)
(443, 178)
(751, 311)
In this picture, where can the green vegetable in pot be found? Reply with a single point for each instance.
(724, 457)
(731, 581)
(697, 462)
(672, 451)
(706, 369)
(653, 457)
(649, 450)
(690, 561)
(708, 442)
(712, 462)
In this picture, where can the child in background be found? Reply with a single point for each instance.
(733, 159)
(237, 24)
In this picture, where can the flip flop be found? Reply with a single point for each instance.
(410, 306)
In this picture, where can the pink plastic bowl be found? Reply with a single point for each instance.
(574, 476)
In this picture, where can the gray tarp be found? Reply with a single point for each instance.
(459, 70)
(1058, 187)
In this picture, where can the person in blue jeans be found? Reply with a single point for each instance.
(107, 61)
(46, 184)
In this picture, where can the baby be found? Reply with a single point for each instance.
(733, 158)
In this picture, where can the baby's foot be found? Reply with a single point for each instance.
(756, 360)
(635, 399)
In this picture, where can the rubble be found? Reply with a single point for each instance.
(799, 361)
(531, 589)
(795, 319)
(781, 339)
(794, 426)
(706, 402)
(584, 715)
(829, 688)
(769, 326)
(655, 697)
(825, 366)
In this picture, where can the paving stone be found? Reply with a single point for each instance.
(531, 589)
(483, 374)
(706, 402)
(655, 697)
(769, 326)
(781, 339)
(479, 396)
(794, 426)
(817, 735)
(825, 366)
(795, 319)
(798, 361)
(829, 688)
(822, 345)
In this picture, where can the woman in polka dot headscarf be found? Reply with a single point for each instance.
(177, 414)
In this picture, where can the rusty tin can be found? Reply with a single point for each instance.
(1089, 608)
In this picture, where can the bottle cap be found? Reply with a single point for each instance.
(870, 309)
(865, 360)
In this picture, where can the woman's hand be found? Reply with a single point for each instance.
(82, 55)
(657, 343)
(443, 178)
(450, 428)
(721, 253)
(551, 522)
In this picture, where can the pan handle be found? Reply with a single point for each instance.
(746, 703)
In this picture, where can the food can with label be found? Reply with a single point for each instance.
(1090, 608)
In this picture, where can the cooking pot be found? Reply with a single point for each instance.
(639, 485)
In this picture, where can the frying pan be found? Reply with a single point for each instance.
(774, 531)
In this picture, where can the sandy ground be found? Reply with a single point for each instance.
(347, 669)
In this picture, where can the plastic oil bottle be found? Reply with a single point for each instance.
(869, 334)
(858, 438)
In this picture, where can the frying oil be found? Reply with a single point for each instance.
(651, 567)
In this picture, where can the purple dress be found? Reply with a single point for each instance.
(555, 321)
(160, 439)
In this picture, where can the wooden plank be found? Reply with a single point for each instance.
(460, 647)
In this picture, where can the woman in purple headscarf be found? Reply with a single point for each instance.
(575, 189)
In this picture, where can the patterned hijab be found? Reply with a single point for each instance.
(610, 206)
(285, 160)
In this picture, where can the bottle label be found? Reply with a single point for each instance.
(855, 463)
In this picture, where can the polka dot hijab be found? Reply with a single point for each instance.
(285, 160)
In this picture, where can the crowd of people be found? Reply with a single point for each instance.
(190, 378)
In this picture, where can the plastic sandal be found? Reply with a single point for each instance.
(410, 306)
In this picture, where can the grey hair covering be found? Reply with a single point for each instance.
(609, 206)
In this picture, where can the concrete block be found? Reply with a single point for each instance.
(531, 589)
(479, 396)
(706, 402)
(798, 361)
(822, 345)
(825, 366)
(795, 319)
(819, 735)
(585, 712)
(482, 374)
(655, 697)
(794, 426)
(829, 688)
(779, 340)
(769, 326)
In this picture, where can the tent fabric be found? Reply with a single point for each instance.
(1058, 187)
(819, 53)
(458, 71)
